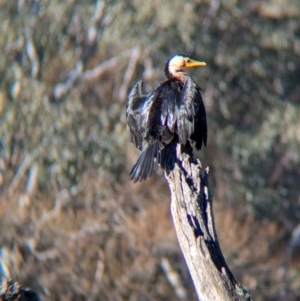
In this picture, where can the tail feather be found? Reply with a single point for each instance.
(148, 160)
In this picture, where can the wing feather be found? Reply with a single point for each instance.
(183, 112)
(133, 114)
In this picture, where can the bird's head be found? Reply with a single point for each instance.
(177, 65)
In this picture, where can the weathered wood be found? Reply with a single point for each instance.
(191, 207)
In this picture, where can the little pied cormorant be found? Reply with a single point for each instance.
(174, 110)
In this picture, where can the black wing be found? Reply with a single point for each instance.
(150, 116)
(183, 111)
(141, 113)
(192, 115)
(133, 114)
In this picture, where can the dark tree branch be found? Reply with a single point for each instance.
(191, 207)
(12, 291)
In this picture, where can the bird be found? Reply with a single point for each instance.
(174, 110)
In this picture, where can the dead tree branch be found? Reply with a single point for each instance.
(77, 75)
(12, 291)
(191, 207)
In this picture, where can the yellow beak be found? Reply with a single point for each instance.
(192, 63)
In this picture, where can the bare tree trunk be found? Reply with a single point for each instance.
(191, 206)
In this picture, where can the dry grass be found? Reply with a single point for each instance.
(256, 253)
(114, 248)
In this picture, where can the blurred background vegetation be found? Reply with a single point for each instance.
(73, 226)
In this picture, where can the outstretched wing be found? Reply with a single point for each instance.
(133, 114)
(150, 115)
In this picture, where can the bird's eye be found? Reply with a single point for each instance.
(188, 61)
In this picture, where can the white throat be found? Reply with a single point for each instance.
(177, 67)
